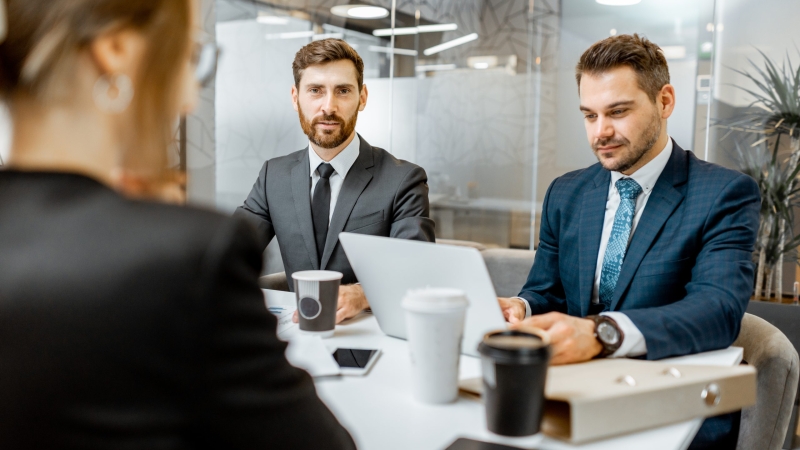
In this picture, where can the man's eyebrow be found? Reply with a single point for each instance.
(611, 106)
(313, 85)
(618, 104)
(350, 86)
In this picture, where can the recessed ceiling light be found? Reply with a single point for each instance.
(613, 32)
(360, 11)
(482, 62)
(436, 67)
(618, 2)
(268, 19)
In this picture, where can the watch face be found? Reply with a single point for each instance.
(607, 333)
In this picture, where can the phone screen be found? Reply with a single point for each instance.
(353, 358)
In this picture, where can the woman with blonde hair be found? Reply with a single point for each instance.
(125, 322)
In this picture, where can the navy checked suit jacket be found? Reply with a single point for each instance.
(688, 272)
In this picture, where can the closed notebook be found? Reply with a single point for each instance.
(608, 397)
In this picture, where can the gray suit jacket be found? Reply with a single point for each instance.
(381, 196)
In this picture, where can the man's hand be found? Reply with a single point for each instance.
(513, 309)
(571, 338)
(351, 302)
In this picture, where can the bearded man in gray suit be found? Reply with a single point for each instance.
(339, 182)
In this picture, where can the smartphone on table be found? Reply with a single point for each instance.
(355, 361)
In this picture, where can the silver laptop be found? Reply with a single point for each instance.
(387, 268)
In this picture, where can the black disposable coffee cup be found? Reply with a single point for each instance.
(514, 367)
(317, 294)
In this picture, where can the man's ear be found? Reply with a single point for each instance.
(666, 100)
(362, 100)
(294, 98)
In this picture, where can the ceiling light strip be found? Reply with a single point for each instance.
(304, 35)
(397, 51)
(415, 30)
(435, 67)
(450, 44)
(618, 2)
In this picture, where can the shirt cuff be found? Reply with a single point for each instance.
(633, 344)
(527, 306)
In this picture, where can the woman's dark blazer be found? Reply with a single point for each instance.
(135, 325)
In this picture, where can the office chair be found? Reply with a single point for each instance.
(764, 425)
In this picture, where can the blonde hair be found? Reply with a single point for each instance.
(45, 38)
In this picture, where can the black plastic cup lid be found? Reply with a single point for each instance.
(515, 347)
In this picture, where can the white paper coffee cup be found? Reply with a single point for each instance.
(435, 328)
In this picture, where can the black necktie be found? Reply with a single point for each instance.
(321, 207)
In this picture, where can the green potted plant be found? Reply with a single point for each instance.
(772, 119)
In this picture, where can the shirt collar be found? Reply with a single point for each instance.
(341, 163)
(647, 175)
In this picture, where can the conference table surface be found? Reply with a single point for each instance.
(381, 414)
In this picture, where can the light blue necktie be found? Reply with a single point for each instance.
(618, 241)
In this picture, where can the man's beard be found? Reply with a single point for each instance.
(328, 138)
(647, 140)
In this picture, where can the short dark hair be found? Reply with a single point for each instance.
(638, 53)
(325, 51)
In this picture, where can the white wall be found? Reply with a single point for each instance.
(255, 120)
(373, 122)
(747, 27)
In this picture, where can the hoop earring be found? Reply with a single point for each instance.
(103, 87)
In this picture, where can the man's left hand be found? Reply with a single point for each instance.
(572, 339)
(351, 302)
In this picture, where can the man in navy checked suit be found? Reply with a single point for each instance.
(647, 253)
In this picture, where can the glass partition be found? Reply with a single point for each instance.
(745, 33)
(480, 93)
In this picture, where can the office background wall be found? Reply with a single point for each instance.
(491, 132)
(471, 127)
(743, 29)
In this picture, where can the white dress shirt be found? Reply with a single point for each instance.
(647, 176)
(341, 164)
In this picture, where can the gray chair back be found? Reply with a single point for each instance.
(275, 281)
(764, 425)
(470, 244)
(508, 269)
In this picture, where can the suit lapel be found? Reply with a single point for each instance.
(593, 209)
(357, 179)
(662, 202)
(301, 194)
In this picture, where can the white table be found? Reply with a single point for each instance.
(381, 414)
